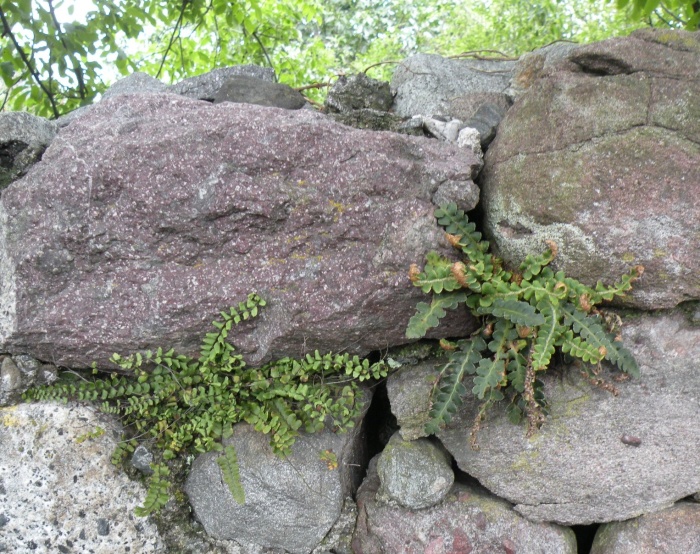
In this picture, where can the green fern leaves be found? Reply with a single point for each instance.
(527, 316)
(189, 405)
(228, 462)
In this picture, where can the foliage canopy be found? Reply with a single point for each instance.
(53, 60)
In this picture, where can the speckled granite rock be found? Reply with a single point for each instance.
(23, 139)
(599, 457)
(151, 213)
(416, 474)
(60, 496)
(469, 519)
(602, 155)
(675, 529)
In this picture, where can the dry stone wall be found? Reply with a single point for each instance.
(155, 208)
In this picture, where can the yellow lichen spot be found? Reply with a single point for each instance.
(276, 261)
(301, 182)
(337, 206)
(9, 420)
(628, 257)
(660, 253)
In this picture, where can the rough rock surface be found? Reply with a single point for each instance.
(23, 139)
(602, 155)
(598, 457)
(532, 65)
(427, 84)
(378, 121)
(206, 86)
(252, 90)
(290, 503)
(468, 520)
(676, 529)
(151, 213)
(416, 474)
(359, 92)
(60, 496)
(21, 372)
(136, 83)
(409, 391)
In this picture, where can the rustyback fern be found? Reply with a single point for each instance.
(188, 405)
(527, 316)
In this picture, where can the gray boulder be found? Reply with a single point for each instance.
(290, 503)
(21, 372)
(206, 86)
(136, 83)
(601, 156)
(251, 90)
(599, 457)
(359, 92)
(409, 390)
(23, 139)
(676, 529)
(152, 213)
(428, 84)
(533, 65)
(416, 474)
(378, 121)
(469, 519)
(61, 496)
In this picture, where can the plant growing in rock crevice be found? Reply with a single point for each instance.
(526, 316)
(190, 405)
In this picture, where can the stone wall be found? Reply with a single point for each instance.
(129, 224)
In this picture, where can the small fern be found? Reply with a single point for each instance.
(189, 405)
(228, 462)
(527, 315)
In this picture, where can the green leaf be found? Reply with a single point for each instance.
(547, 335)
(516, 311)
(428, 316)
(228, 462)
(448, 392)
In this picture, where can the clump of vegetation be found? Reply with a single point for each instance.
(189, 405)
(526, 316)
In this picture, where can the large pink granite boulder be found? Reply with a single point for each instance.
(152, 213)
(602, 155)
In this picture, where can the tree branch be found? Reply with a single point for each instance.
(22, 54)
(76, 65)
(176, 32)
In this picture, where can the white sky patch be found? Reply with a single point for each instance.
(79, 9)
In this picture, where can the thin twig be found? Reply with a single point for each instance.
(76, 65)
(366, 69)
(22, 54)
(312, 86)
(475, 54)
(176, 31)
(254, 34)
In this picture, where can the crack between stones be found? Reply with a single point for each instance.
(577, 145)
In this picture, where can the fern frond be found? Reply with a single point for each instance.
(436, 276)
(157, 495)
(457, 223)
(547, 335)
(428, 316)
(228, 462)
(448, 392)
(579, 348)
(521, 313)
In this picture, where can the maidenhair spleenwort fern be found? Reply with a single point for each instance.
(189, 405)
(527, 315)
